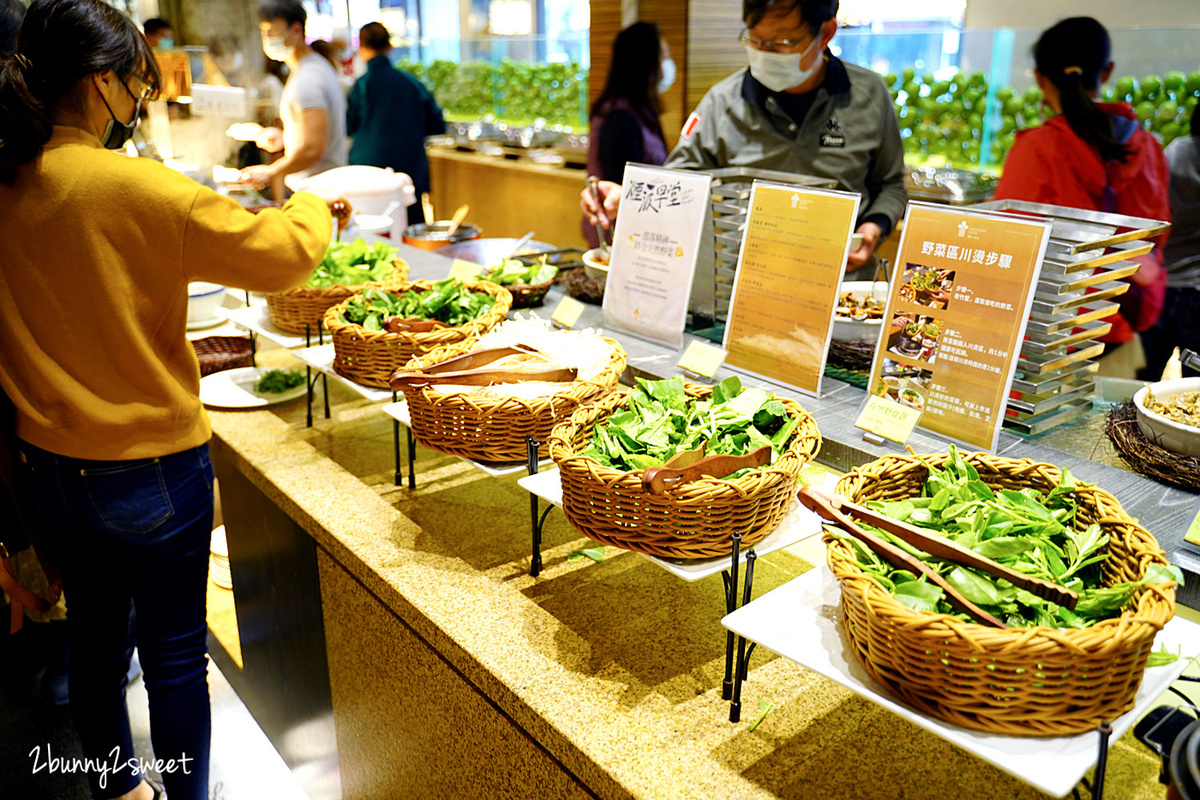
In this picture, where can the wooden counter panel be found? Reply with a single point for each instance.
(509, 198)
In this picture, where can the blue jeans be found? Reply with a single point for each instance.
(132, 535)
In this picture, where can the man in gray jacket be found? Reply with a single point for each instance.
(797, 108)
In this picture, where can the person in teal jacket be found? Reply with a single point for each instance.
(389, 114)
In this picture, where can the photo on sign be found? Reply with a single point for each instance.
(902, 383)
(926, 286)
(914, 335)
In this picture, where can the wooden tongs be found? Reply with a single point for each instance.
(411, 324)
(839, 510)
(471, 370)
(688, 465)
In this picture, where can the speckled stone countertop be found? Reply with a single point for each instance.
(613, 667)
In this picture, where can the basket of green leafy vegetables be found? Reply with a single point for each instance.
(345, 268)
(528, 283)
(604, 449)
(367, 351)
(1054, 670)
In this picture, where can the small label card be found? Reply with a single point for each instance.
(702, 359)
(888, 419)
(465, 271)
(567, 312)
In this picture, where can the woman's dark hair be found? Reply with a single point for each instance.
(815, 13)
(60, 43)
(1072, 55)
(11, 13)
(1195, 123)
(290, 11)
(634, 72)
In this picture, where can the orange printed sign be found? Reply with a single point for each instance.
(793, 255)
(956, 315)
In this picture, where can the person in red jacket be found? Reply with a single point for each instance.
(1096, 156)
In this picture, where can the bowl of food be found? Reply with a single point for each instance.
(859, 313)
(203, 301)
(1168, 414)
(595, 263)
(372, 223)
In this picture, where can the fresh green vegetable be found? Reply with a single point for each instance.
(353, 263)
(510, 272)
(276, 381)
(1022, 529)
(447, 301)
(661, 420)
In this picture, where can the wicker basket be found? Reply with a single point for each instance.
(529, 295)
(370, 357)
(296, 310)
(494, 428)
(695, 520)
(1033, 681)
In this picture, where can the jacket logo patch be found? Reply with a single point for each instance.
(832, 140)
(690, 126)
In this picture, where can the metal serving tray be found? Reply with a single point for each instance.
(1086, 230)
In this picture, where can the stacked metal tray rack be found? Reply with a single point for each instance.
(1089, 256)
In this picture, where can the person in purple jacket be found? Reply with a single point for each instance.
(624, 119)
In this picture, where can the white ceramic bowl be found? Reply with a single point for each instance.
(372, 223)
(854, 330)
(1173, 436)
(593, 264)
(203, 301)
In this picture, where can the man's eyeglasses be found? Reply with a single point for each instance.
(772, 45)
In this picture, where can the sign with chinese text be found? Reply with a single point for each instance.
(890, 420)
(952, 331)
(653, 260)
(785, 291)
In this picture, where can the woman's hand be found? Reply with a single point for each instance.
(604, 212)
(258, 175)
(270, 139)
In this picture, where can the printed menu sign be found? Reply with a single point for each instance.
(956, 315)
(789, 270)
(653, 260)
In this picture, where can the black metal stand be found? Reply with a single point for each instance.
(736, 669)
(537, 518)
(1105, 731)
(411, 447)
(309, 380)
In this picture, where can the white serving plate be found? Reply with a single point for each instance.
(800, 621)
(1169, 435)
(234, 388)
(852, 330)
(372, 223)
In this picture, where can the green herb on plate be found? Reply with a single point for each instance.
(594, 553)
(277, 381)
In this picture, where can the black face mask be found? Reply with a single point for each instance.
(117, 133)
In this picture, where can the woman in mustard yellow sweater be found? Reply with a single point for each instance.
(96, 251)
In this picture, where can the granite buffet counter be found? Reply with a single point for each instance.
(452, 673)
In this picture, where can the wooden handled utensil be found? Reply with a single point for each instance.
(657, 480)
(822, 504)
(457, 219)
(941, 547)
(402, 380)
(477, 358)
(411, 324)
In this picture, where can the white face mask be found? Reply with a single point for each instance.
(779, 71)
(276, 49)
(667, 79)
